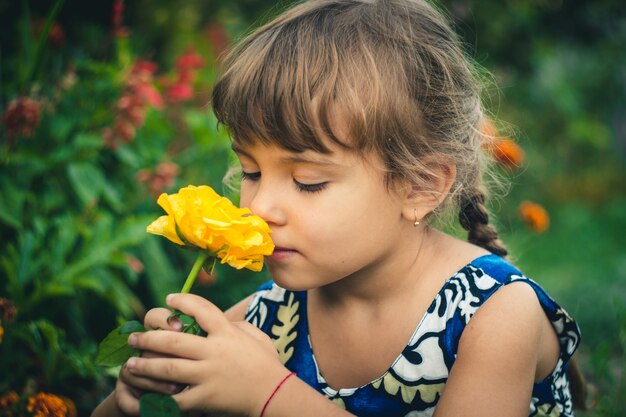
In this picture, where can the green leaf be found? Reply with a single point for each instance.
(88, 141)
(12, 198)
(190, 325)
(161, 276)
(158, 405)
(86, 180)
(131, 327)
(114, 349)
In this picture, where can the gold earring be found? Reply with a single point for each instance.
(416, 223)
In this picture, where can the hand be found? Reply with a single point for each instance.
(129, 387)
(233, 369)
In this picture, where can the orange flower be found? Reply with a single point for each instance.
(71, 407)
(8, 399)
(488, 128)
(47, 405)
(503, 150)
(506, 153)
(535, 216)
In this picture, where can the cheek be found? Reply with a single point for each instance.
(245, 195)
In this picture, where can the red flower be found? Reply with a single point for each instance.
(186, 64)
(134, 264)
(161, 179)
(218, 38)
(118, 11)
(56, 35)
(535, 216)
(124, 128)
(143, 67)
(190, 60)
(21, 117)
(7, 310)
(149, 93)
(179, 92)
(138, 94)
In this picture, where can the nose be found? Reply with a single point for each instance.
(265, 199)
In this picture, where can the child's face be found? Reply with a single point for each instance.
(331, 215)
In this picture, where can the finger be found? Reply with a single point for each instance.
(125, 399)
(164, 343)
(159, 318)
(177, 370)
(208, 316)
(150, 354)
(137, 382)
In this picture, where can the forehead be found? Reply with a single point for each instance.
(336, 157)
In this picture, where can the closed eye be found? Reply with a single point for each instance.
(310, 188)
(250, 176)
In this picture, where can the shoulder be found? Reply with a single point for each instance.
(513, 287)
(509, 316)
(497, 356)
(238, 311)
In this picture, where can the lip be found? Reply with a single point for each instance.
(281, 254)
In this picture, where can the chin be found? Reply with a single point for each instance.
(293, 283)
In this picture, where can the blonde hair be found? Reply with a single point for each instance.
(393, 70)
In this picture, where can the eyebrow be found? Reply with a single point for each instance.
(297, 158)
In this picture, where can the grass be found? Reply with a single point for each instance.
(581, 262)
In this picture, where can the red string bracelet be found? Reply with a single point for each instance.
(280, 384)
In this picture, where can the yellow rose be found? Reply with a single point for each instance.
(199, 217)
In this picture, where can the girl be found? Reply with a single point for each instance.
(357, 123)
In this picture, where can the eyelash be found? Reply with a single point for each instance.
(307, 188)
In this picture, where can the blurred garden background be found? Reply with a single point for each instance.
(104, 106)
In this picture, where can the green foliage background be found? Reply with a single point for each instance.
(72, 211)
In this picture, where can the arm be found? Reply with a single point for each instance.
(238, 311)
(108, 408)
(503, 349)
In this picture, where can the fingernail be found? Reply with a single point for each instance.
(173, 388)
(131, 363)
(175, 323)
(132, 339)
(169, 298)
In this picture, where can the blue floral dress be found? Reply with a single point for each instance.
(413, 384)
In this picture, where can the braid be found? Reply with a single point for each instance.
(474, 218)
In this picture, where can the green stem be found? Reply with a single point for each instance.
(41, 45)
(191, 278)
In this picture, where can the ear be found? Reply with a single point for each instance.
(420, 200)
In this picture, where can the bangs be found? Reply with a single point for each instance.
(308, 77)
